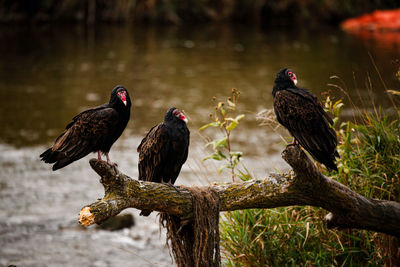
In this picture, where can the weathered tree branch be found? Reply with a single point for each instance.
(306, 187)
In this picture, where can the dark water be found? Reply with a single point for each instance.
(49, 74)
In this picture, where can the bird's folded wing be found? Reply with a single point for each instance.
(153, 152)
(87, 130)
(305, 122)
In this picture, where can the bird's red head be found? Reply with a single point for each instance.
(179, 115)
(292, 76)
(122, 95)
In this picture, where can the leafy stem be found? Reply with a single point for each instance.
(226, 119)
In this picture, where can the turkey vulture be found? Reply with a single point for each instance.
(303, 115)
(93, 130)
(164, 150)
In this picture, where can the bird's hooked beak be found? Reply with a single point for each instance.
(183, 117)
(179, 115)
(122, 96)
(294, 79)
(291, 76)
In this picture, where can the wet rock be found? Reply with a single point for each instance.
(118, 222)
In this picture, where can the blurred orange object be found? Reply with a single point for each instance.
(379, 20)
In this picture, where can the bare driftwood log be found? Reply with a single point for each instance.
(306, 187)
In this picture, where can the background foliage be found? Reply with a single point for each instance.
(175, 11)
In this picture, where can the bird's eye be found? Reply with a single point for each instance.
(290, 74)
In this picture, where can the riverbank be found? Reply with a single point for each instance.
(38, 219)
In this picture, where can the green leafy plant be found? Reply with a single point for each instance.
(226, 119)
(335, 108)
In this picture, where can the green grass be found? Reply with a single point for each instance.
(370, 152)
(292, 236)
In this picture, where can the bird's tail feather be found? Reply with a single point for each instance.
(49, 156)
(59, 158)
(62, 163)
(331, 165)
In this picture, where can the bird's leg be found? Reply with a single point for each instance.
(99, 155)
(113, 164)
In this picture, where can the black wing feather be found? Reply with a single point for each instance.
(153, 154)
(303, 115)
(318, 105)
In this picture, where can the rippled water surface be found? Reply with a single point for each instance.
(49, 74)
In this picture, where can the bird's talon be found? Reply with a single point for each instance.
(113, 164)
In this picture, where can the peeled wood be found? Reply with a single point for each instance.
(306, 187)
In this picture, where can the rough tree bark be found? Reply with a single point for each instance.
(306, 186)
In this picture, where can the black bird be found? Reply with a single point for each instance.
(303, 115)
(164, 150)
(93, 130)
